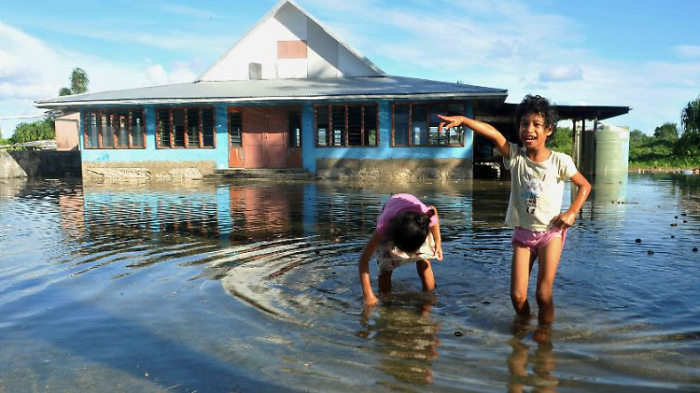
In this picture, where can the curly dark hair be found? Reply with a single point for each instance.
(409, 230)
(539, 105)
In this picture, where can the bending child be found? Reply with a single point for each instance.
(536, 193)
(407, 230)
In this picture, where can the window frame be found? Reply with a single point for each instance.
(200, 137)
(345, 136)
(111, 115)
(429, 108)
(294, 140)
(231, 143)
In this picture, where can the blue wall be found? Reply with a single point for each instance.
(219, 154)
(310, 152)
(384, 150)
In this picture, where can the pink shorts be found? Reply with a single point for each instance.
(534, 240)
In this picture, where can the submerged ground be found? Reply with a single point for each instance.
(253, 287)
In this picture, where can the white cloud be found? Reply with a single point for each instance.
(31, 70)
(562, 74)
(513, 45)
(688, 51)
(157, 74)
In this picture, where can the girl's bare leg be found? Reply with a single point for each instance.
(384, 282)
(425, 272)
(546, 271)
(519, 278)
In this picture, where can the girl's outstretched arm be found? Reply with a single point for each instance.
(484, 129)
(363, 267)
(567, 218)
(435, 231)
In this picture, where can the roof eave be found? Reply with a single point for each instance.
(354, 97)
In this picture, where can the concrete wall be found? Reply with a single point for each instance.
(395, 170)
(39, 163)
(19, 163)
(146, 171)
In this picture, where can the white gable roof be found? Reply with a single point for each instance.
(258, 55)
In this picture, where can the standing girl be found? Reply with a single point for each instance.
(536, 193)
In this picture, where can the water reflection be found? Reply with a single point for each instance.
(609, 197)
(265, 277)
(404, 337)
(541, 360)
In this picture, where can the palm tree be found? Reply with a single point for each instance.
(689, 143)
(690, 116)
(78, 83)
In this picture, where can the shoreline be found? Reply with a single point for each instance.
(687, 171)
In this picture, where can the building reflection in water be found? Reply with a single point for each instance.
(226, 213)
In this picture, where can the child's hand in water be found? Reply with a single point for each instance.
(371, 300)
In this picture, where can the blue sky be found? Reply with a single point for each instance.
(642, 54)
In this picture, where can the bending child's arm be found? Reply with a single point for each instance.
(435, 231)
(567, 218)
(363, 267)
(484, 129)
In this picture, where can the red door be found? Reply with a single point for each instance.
(264, 138)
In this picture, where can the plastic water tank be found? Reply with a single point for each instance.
(612, 152)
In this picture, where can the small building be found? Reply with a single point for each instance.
(289, 94)
(67, 131)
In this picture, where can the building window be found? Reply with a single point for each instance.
(114, 129)
(235, 128)
(346, 125)
(294, 126)
(418, 125)
(185, 128)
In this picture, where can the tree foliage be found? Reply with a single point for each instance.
(666, 148)
(690, 116)
(667, 132)
(79, 82)
(637, 137)
(689, 143)
(34, 131)
(562, 141)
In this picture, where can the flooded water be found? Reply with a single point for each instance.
(254, 287)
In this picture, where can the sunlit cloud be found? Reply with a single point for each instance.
(688, 51)
(514, 46)
(31, 70)
(562, 74)
(157, 75)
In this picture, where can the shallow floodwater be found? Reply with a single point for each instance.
(253, 287)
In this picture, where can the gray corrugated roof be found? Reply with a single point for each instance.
(393, 87)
